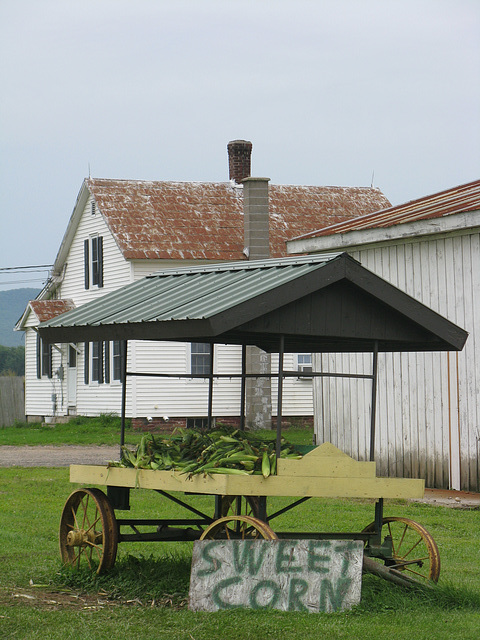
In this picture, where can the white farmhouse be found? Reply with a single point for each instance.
(428, 405)
(123, 230)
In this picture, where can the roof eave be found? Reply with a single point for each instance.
(72, 226)
(20, 324)
(174, 330)
(374, 235)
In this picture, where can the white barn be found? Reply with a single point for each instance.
(122, 230)
(428, 405)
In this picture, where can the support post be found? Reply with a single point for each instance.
(243, 387)
(210, 389)
(378, 520)
(280, 394)
(123, 356)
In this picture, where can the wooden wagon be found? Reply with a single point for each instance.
(317, 304)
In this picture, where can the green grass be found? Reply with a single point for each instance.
(103, 430)
(153, 577)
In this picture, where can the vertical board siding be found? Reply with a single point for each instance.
(12, 400)
(428, 415)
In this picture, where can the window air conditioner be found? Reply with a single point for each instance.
(304, 369)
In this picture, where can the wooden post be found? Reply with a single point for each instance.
(374, 401)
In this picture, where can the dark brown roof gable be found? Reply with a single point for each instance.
(204, 220)
(460, 199)
(48, 309)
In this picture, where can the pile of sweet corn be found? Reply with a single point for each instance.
(222, 450)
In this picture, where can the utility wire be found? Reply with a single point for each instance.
(36, 266)
(28, 270)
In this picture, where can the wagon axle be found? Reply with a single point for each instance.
(83, 538)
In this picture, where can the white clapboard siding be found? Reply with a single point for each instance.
(39, 392)
(116, 270)
(297, 393)
(428, 405)
(95, 398)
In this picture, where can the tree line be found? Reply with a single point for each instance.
(12, 361)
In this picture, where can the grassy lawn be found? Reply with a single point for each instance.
(144, 596)
(79, 431)
(104, 430)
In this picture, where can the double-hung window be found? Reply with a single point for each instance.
(44, 358)
(93, 261)
(102, 362)
(112, 352)
(200, 358)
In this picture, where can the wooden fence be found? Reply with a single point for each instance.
(12, 399)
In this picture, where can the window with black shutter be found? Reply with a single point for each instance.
(106, 352)
(93, 262)
(86, 262)
(44, 358)
(97, 362)
(117, 360)
(86, 374)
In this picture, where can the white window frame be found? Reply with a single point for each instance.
(192, 353)
(94, 263)
(112, 360)
(107, 358)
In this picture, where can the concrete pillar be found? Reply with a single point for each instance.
(255, 211)
(258, 411)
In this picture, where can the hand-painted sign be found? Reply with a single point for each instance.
(289, 575)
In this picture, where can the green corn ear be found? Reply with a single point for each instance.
(226, 471)
(265, 465)
(273, 463)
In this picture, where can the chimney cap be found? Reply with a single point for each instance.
(255, 179)
(245, 143)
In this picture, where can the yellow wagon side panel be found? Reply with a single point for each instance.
(324, 472)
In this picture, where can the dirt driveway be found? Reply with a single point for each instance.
(56, 456)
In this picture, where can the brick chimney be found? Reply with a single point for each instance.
(239, 159)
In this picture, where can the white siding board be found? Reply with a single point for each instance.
(297, 397)
(38, 391)
(116, 272)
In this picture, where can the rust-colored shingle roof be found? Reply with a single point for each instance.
(459, 199)
(193, 220)
(48, 309)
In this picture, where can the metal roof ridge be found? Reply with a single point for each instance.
(247, 264)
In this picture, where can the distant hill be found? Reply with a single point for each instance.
(12, 305)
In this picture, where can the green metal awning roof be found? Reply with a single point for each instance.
(319, 303)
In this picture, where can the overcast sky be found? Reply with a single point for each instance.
(330, 92)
